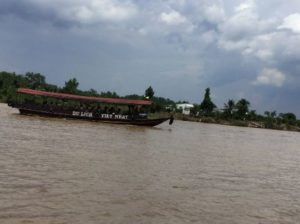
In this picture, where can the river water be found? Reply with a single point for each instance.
(55, 171)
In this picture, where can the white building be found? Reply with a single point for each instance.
(185, 107)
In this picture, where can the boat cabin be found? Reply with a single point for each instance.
(113, 110)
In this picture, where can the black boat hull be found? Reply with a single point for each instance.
(108, 118)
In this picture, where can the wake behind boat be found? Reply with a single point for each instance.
(110, 110)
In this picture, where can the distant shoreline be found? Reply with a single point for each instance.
(237, 123)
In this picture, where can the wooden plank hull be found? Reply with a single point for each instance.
(107, 118)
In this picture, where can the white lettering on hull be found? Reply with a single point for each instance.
(82, 114)
(114, 116)
(103, 116)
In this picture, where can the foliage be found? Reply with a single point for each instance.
(109, 94)
(35, 81)
(207, 105)
(228, 108)
(134, 97)
(91, 92)
(288, 118)
(71, 86)
(149, 93)
(162, 104)
(242, 107)
(9, 82)
(182, 102)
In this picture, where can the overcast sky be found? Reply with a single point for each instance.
(247, 49)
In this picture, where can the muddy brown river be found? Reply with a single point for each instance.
(56, 171)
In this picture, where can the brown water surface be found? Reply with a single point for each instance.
(58, 171)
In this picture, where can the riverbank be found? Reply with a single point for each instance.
(239, 123)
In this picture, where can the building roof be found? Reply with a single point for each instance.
(83, 98)
(185, 105)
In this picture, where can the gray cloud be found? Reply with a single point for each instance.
(68, 13)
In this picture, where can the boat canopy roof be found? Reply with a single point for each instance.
(84, 98)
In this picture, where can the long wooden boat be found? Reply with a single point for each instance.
(133, 116)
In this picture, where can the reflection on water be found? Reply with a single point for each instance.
(66, 171)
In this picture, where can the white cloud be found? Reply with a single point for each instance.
(209, 37)
(172, 18)
(89, 11)
(143, 31)
(214, 13)
(271, 77)
(251, 34)
(230, 45)
(291, 22)
(245, 24)
(276, 48)
(249, 5)
(260, 46)
(264, 54)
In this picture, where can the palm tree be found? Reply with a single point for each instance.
(270, 114)
(267, 113)
(273, 114)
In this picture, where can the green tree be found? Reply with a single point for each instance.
(269, 120)
(109, 94)
(273, 114)
(207, 105)
(242, 107)
(288, 118)
(270, 114)
(71, 86)
(134, 97)
(149, 93)
(35, 80)
(267, 113)
(92, 92)
(51, 88)
(253, 116)
(9, 82)
(162, 104)
(228, 108)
